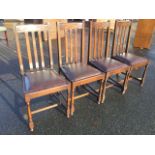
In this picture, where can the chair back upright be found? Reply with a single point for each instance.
(99, 40)
(35, 47)
(72, 44)
(121, 40)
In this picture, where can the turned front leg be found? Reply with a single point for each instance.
(31, 124)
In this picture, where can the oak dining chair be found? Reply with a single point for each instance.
(40, 78)
(100, 56)
(71, 60)
(120, 49)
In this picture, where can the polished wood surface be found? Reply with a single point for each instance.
(40, 79)
(144, 33)
(100, 54)
(73, 66)
(120, 52)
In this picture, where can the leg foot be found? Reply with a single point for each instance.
(31, 126)
(124, 90)
(143, 76)
(103, 99)
(125, 85)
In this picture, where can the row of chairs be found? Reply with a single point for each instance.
(75, 68)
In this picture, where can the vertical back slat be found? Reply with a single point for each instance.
(95, 37)
(41, 50)
(128, 39)
(102, 43)
(29, 51)
(83, 41)
(75, 45)
(19, 54)
(35, 50)
(122, 40)
(121, 36)
(59, 45)
(114, 40)
(90, 41)
(118, 38)
(108, 43)
(50, 48)
(125, 37)
(71, 46)
(66, 45)
(99, 47)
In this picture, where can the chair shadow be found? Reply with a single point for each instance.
(17, 102)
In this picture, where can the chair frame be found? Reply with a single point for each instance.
(38, 28)
(93, 55)
(69, 27)
(127, 24)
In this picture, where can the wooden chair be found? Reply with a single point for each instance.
(71, 60)
(100, 56)
(41, 79)
(121, 45)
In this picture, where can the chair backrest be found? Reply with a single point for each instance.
(35, 47)
(99, 40)
(73, 41)
(121, 40)
(52, 25)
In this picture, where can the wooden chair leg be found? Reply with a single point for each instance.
(6, 37)
(68, 103)
(31, 124)
(100, 92)
(125, 84)
(104, 88)
(143, 76)
(72, 99)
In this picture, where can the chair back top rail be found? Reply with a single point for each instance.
(31, 28)
(74, 42)
(121, 40)
(35, 47)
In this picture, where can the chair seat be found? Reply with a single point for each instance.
(42, 80)
(131, 59)
(79, 71)
(107, 64)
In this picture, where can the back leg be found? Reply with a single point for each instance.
(143, 76)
